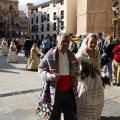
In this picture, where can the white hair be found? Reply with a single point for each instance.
(60, 35)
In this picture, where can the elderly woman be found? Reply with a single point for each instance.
(12, 56)
(107, 56)
(90, 89)
(33, 60)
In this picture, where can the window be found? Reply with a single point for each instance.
(32, 30)
(54, 35)
(36, 9)
(54, 26)
(42, 18)
(31, 20)
(62, 2)
(36, 28)
(32, 37)
(45, 6)
(42, 27)
(48, 17)
(62, 25)
(11, 7)
(62, 14)
(25, 28)
(36, 19)
(48, 27)
(42, 37)
(54, 16)
(37, 36)
(54, 4)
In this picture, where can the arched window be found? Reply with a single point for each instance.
(11, 7)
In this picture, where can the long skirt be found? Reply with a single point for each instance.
(4, 49)
(90, 99)
(33, 63)
(12, 57)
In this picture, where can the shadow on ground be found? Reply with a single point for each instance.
(6, 71)
(110, 118)
(5, 65)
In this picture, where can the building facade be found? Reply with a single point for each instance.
(23, 25)
(8, 17)
(95, 16)
(53, 17)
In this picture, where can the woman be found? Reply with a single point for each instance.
(4, 47)
(107, 57)
(90, 89)
(34, 59)
(12, 56)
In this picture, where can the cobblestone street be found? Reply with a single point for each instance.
(20, 88)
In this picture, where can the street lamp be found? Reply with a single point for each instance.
(115, 9)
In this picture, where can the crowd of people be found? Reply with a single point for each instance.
(74, 77)
(73, 73)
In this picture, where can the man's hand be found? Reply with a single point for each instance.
(56, 77)
(74, 81)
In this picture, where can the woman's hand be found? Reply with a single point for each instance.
(74, 81)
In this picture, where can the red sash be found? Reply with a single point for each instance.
(64, 83)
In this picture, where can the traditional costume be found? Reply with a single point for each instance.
(52, 91)
(12, 55)
(90, 99)
(4, 48)
(33, 60)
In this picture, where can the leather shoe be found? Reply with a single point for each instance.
(114, 83)
(118, 84)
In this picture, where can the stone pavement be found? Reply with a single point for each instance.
(20, 88)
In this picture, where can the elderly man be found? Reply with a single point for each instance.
(59, 70)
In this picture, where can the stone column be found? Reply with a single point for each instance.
(94, 16)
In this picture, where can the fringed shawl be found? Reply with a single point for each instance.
(50, 63)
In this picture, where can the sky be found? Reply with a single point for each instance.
(22, 3)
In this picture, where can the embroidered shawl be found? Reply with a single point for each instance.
(50, 63)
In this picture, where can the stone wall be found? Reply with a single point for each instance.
(94, 16)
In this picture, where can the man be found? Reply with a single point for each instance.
(45, 45)
(101, 42)
(58, 69)
(27, 47)
(73, 46)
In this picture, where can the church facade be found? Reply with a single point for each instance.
(95, 16)
(8, 17)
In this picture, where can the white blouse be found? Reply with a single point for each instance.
(63, 67)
